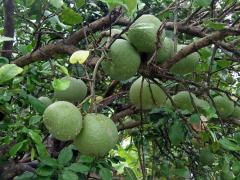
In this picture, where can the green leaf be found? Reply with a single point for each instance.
(70, 17)
(65, 156)
(4, 38)
(56, 3)
(9, 71)
(129, 174)
(63, 69)
(26, 176)
(45, 171)
(79, 57)
(202, 3)
(195, 119)
(176, 133)
(80, 3)
(214, 25)
(37, 105)
(17, 147)
(49, 162)
(113, 3)
(42, 151)
(86, 159)
(78, 168)
(3, 61)
(35, 137)
(60, 84)
(182, 172)
(131, 5)
(69, 175)
(105, 174)
(229, 145)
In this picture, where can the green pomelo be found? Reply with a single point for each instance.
(149, 94)
(98, 137)
(166, 51)
(227, 175)
(202, 106)
(224, 106)
(143, 33)
(45, 100)
(236, 112)
(183, 100)
(206, 157)
(63, 120)
(168, 104)
(76, 91)
(124, 62)
(187, 64)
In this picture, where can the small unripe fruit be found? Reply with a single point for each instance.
(149, 97)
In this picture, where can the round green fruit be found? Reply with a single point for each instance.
(98, 137)
(166, 51)
(224, 106)
(76, 91)
(183, 100)
(202, 106)
(124, 62)
(146, 93)
(206, 157)
(185, 65)
(236, 112)
(45, 100)
(143, 33)
(63, 120)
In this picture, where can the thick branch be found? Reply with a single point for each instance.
(67, 45)
(8, 27)
(195, 46)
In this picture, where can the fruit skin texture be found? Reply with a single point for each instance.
(143, 33)
(206, 157)
(183, 100)
(76, 91)
(98, 137)
(152, 94)
(166, 51)
(236, 112)
(224, 106)
(45, 100)
(63, 120)
(124, 62)
(185, 65)
(202, 106)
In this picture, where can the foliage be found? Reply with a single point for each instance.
(166, 142)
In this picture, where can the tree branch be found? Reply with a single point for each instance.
(8, 27)
(67, 45)
(195, 46)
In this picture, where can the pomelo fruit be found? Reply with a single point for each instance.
(166, 51)
(45, 100)
(63, 120)
(124, 62)
(143, 33)
(152, 94)
(206, 157)
(185, 65)
(183, 100)
(76, 91)
(98, 136)
(224, 106)
(236, 112)
(202, 106)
